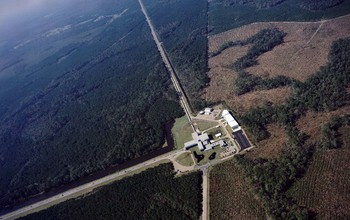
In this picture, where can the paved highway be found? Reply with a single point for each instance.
(205, 194)
(75, 192)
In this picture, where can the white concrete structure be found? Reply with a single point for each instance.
(230, 120)
(218, 135)
(203, 142)
(190, 144)
(208, 111)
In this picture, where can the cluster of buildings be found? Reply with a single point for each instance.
(203, 142)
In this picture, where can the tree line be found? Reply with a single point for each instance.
(255, 3)
(319, 4)
(153, 194)
(331, 134)
(271, 178)
(305, 4)
(323, 91)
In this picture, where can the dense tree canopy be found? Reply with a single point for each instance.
(153, 194)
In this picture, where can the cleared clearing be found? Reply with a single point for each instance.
(273, 146)
(230, 194)
(312, 122)
(222, 84)
(181, 132)
(204, 125)
(305, 49)
(325, 188)
(185, 159)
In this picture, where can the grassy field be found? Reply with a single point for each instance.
(185, 159)
(181, 131)
(325, 187)
(204, 125)
(230, 194)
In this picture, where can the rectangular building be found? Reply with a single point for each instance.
(230, 120)
(241, 139)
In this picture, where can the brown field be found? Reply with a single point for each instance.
(222, 84)
(230, 194)
(312, 122)
(305, 50)
(271, 147)
(325, 188)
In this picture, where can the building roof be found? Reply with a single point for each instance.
(200, 137)
(200, 146)
(229, 119)
(191, 143)
(241, 139)
(225, 112)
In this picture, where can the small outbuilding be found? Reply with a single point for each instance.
(218, 135)
(208, 111)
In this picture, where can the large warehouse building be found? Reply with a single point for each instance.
(230, 120)
(238, 134)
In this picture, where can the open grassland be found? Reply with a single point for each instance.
(231, 196)
(181, 131)
(325, 187)
(152, 194)
(271, 147)
(204, 125)
(185, 159)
